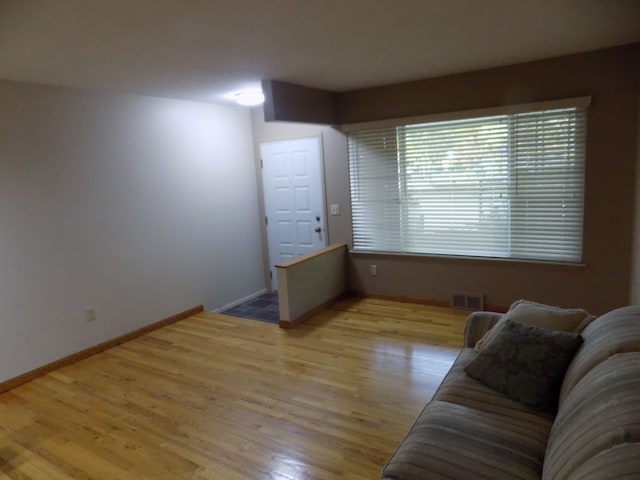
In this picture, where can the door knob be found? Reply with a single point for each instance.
(318, 230)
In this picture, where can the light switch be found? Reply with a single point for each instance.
(335, 209)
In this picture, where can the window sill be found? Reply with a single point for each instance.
(466, 258)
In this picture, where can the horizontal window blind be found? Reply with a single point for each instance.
(374, 183)
(506, 186)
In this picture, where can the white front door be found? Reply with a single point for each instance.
(293, 199)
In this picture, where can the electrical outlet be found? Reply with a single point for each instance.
(90, 314)
(373, 270)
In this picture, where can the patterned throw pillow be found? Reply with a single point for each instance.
(541, 315)
(526, 362)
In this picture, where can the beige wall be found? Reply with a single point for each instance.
(611, 77)
(139, 207)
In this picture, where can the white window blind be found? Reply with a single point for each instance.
(506, 186)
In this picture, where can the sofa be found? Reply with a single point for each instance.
(470, 430)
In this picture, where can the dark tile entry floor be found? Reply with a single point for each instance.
(263, 308)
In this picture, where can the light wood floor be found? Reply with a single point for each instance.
(218, 397)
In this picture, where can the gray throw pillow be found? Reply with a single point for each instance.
(526, 362)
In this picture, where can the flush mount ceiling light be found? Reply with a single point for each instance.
(249, 98)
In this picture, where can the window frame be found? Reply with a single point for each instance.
(399, 124)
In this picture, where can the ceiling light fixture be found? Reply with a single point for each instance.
(249, 98)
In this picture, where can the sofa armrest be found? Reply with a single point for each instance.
(477, 324)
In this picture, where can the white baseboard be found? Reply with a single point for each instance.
(242, 300)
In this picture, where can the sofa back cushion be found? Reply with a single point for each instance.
(621, 461)
(615, 332)
(599, 417)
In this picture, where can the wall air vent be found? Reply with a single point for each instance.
(467, 301)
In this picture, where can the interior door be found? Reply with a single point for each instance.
(293, 199)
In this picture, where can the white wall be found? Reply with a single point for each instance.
(139, 207)
(310, 281)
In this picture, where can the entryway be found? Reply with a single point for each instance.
(263, 308)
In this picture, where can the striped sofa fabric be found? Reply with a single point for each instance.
(469, 431)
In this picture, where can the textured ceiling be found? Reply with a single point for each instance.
(202, 49)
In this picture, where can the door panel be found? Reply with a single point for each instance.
(302, 200)
(305, 239)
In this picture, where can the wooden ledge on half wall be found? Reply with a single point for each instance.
(310, 283)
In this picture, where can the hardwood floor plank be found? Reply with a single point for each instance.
(219, 397)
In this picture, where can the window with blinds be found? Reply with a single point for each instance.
(508, 186)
